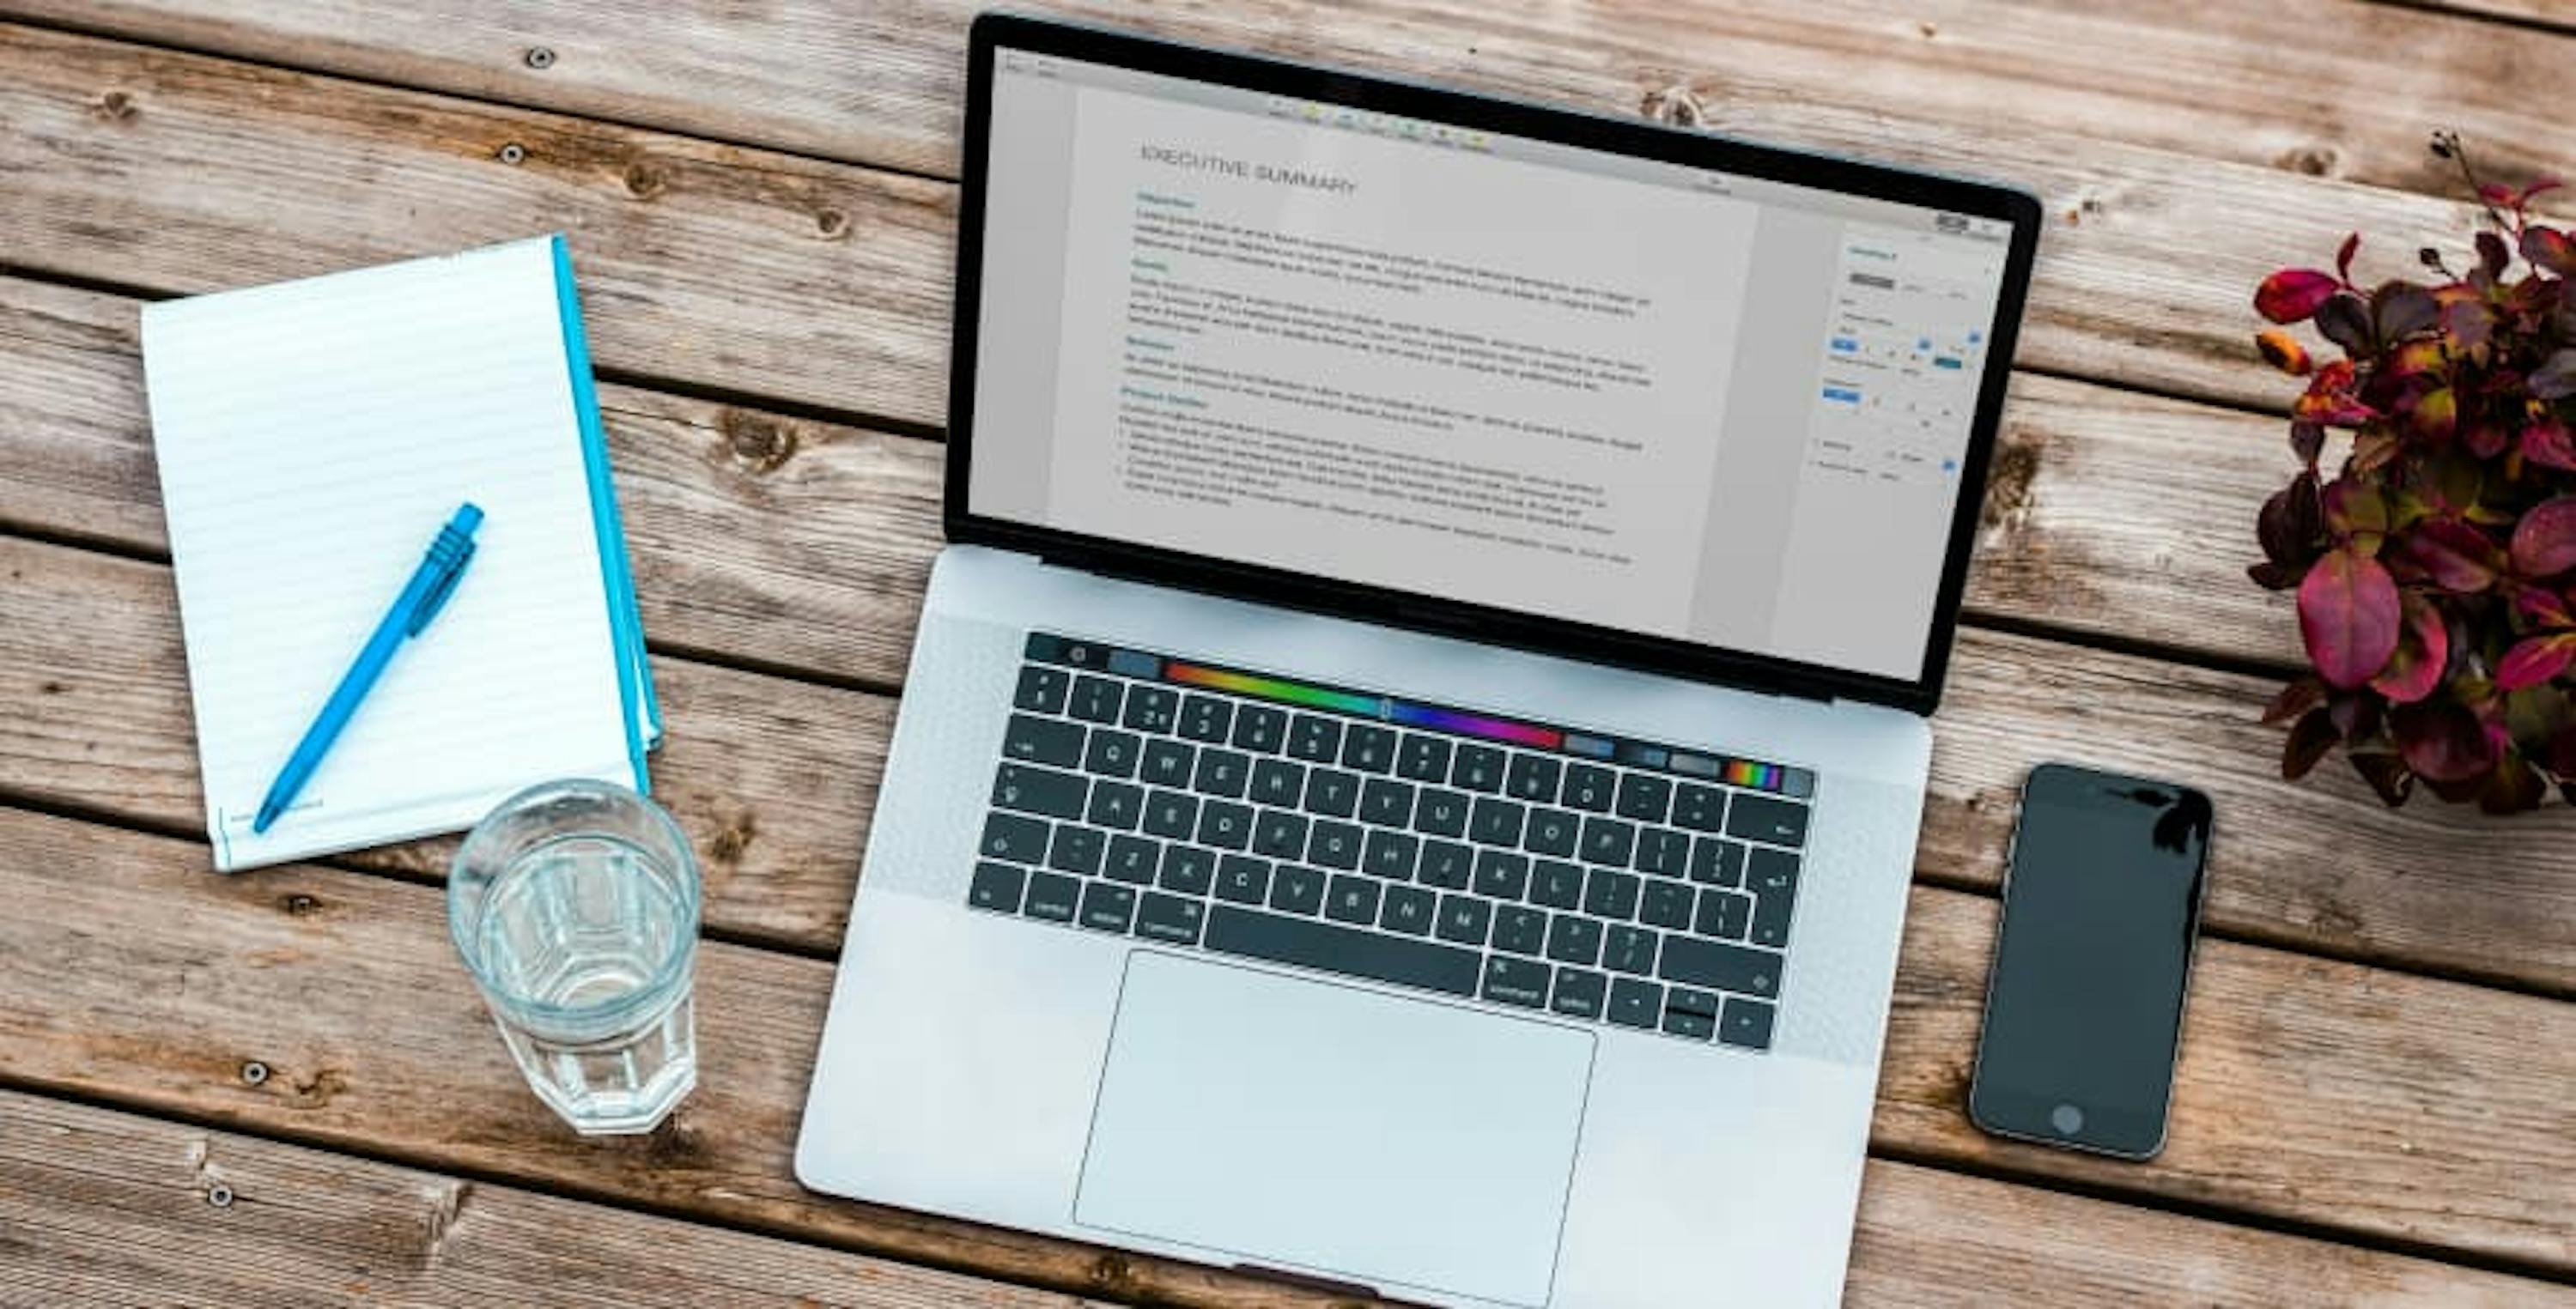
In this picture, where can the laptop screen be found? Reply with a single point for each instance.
(1573, 384)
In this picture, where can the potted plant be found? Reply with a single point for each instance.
(2435, 570)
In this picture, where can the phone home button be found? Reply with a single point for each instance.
(2067, 1119)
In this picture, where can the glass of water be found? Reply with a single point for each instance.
(575, 905)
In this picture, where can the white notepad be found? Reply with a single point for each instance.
(313, 437)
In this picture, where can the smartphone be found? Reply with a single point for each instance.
(2084, 1005)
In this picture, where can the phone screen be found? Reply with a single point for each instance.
(2084, 1008)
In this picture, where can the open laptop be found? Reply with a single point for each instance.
(1411, 764)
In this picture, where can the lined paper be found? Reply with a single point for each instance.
(313, 437)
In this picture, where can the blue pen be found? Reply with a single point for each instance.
(420, 602)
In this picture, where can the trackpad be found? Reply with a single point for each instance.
(1400, 1143)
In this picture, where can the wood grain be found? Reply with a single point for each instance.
(106, 1208)
(880, 84)
(2310, 1091)
(826, 284)
(2560, 14)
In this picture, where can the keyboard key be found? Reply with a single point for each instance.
(1077, 654)
(1094, 699)
(1422, 758)
(1132, 859)
(1165, 762)
(1662, 851)
(1609, 893)
(1645, 797)
(1279, 834)
(1188, 869)
(1770, 921)
(1051, 896)
(1440, 813)
(1260, 728)
(1532, 777)
(1572, 939)
(1170, 918)
(1038, 791)
(1665, 904)
(1170, 814)
(1464, 919)
(1520, 930)
(1746, 1023)
(1557, 885)
(1242, 879)
(1112, 753)
(1588, 786)
(1773, 877)
(1579, 993)
(1512, 981)
(1315, 739)
(1041, 689)
(1699, 808)
(1331, 947)
(1116, 804)
(996, 887)
(1077, 849)
(1687, 1023)
(1608, 841)
(1691, 1000)
(1553, 831)
(1221, 772)
(1502, 874)
(1297, 888)
(1368, 749)
(1762, 818)
(1717, 861)
(1389, 855)
(1278, 782)
(1009, 836)
(1626, 949)
(1721, 967)
(1495, 822)
(1385, 802)
(1107, 907)
(1409, 909)
(1332, 792)
(1351, 900)
(1723, 913)
(1206, 718)
(1635, 1003)
(1447, 865)
(1225, 825)
(1152, 708)
(1043, 741)
(1477, 768)
(1334, 845)
(1135, 663)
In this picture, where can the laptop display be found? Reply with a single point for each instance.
(1624, 393)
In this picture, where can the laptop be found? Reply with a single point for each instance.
(1413, 753)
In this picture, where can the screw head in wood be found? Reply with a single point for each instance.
(220, 1196)
(541, 58)
(254, 1072)
(513, 153)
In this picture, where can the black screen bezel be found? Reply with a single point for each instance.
(1674, 656)
(2024, 1112)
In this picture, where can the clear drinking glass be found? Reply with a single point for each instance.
(575, 905)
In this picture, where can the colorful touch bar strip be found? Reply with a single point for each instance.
(1492, 729)
(1761, 777)
(1273, 688)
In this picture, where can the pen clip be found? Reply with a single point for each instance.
(439, 591)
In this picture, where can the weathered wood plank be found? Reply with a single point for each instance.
(881, 84)
(827, 284)
(2547, 13)
(2317, 1092)
(106, 1208)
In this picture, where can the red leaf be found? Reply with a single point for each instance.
(2283, 351)
(2329, 398)
(2308, 743)
(2549, 248)
(2423, 654)
(2348, 616)
(2292, 294)
(2543, 608)
(2548, 444)
(2443, 742)
(2387, 775)
(2544, 542)
(2492, 253)
(2307, 441)
(2344, 254)
(2295, 699)
(2459, 558)
(2486, 440)
(2534, 660)
(2495, 193)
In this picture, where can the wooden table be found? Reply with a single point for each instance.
(279, 1088)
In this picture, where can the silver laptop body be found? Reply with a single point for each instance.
(1560, 980)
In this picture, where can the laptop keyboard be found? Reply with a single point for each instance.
(1526, 866)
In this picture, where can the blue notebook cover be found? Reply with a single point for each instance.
(634, 670)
